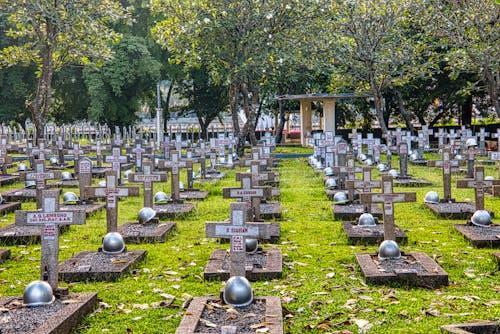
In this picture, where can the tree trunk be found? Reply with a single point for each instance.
(166, 111)
(403, 111)
(281, 124)
(492, 81)
(466, 112)
(378, 100)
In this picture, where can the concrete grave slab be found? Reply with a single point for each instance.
(8, 179)
(193, 195)
(452, 210)
(270, 210)
(99, 172)
(476, 327)
(271, 315)
(23, 194)
(61, 317)
(480, 237)
(9, 207)
(23, 234)
(353, 211)
(262, 265)
(89, 209)
(173, 210)
(411, 182)
(370, 235)
(412, 269)
(99, 266)
(153, 232)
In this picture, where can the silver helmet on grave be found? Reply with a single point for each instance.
(160, 198)
(102, 183)
(471, 142)
(368, 162)
(330, 183)
(238, 292)
(328, 171)
(146, 214)
(126, 174)
(30, 184)
(38, 293)
(389, 250)
(1, 199)
(393, 172)
(70, 197)
(181, 186)
(366, 220)
(481, 218)
(53, 160)
(382, 167)
(340, 198)
(251, 245)
(113, 243)
(66, 176)
(22, 167)
(489, 178)
(431, 197)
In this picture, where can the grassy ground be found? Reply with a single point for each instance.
(322, 289)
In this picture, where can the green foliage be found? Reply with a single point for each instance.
(118, 89)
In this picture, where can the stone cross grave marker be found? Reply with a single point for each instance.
(147, 177)
(448, 165)
(203, 161)
(40, 175)
(41, 151)
(166, 145)
(84, 177)
(441, 135)
(116, 160)
(138, 151)
(5, 159)
(238, 230)
(98, 148)
(479, 185)
(76, 151)
(364, 185)
(426, 134)
(346, 172)
(403, 159)
(388, 198)
(471, 157)
(60, 150)
(174, 164)
(482, 140)
(49, 219)
(369, 141)
(495, 156)
(376, 150)
(248, 193)
(112, 193)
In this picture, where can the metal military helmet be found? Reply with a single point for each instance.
(330, 183)
(102, 183)
(127, 174)
(113, 243)
(481, 218)
(70, 197)
(146, 214)
(414, 156)
(389, 249)
(238, 292)
(393, 173)
(431, 197)
(362, 157)
(66, 176)
(366, 220)
(381, 167)
(160, 198)
(368, 162)
(181, 185)
(38, 293)
(459, 157)
(340, 198)
(328, 171)
(251, 245)
(30, 184)
(318, 165)
(489, 178)
(53, 160)
(22, 167)
(1, 199)
(471, 142)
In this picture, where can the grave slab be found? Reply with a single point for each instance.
(262, 265)
(477, 327)
(480, 237)
(22, 194)
(452, 210)
(153, 232)
(271, 314)
(270, 210)
(214, 174)
(8, 179)
(4, 255)
(362, 235)
(99, 266)
(9, 207)
(23, 234)
(412, 269)
(58, 318)
(89, 209)
(173, 210)
(353, 211)
(99, 172)
(193, 195)
(411, 182)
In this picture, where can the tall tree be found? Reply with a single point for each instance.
(237, 40)
(51, 34)
(470, 31)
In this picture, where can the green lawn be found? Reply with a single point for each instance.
(322, 289)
